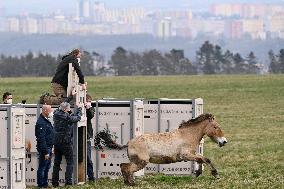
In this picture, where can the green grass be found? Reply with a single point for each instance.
(249, 108)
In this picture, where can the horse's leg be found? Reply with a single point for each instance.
(125, 170)
(136, 167)
(201, 159)
(199, 170)
(128, 169)
(208, 162)
(137, 162)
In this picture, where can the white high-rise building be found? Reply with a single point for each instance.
(83, 8)
(86, 9)
(13, 24)
(96, 11)
(164, 28)
(28, 25)
(47, 26)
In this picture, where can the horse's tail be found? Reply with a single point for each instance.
(104, 138)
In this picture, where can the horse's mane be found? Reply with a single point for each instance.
(198, 119)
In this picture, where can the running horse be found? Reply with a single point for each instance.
(170, 147)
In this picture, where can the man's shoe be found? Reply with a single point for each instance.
(44, 187)
(68, 184)
(42, 98)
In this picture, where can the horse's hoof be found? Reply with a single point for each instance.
(218, 177)
(214, 172)
(197, 173)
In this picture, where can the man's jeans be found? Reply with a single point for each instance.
(67, 151)
(90, 171)
(43, 168)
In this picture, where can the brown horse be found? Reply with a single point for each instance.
(164, 148)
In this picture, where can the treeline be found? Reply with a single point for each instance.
(27, 65)
(37, 65)
(151, 62)
(210, 59)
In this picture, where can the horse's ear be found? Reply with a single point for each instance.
(211, 117)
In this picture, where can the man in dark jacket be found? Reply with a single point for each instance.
(59, 82)
(45, 137)
(90, 111)
(63, 125)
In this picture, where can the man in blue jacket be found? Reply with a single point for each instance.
(63, 145)
(44, 136)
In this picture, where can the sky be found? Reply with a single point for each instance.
(68, 6)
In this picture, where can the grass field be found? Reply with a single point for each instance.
(250, 110)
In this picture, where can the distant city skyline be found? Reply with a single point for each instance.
(230, 20)
(103, 26)
(69, 6)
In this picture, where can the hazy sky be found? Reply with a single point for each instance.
(47, 6)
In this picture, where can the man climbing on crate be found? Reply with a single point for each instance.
(59, 82)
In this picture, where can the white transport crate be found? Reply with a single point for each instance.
(12, 151)
(125, 120)
(165, 115)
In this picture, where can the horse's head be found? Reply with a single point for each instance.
(214, 132)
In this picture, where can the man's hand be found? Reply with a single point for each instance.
(74, 92)
(46, 157)
(88, 105)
